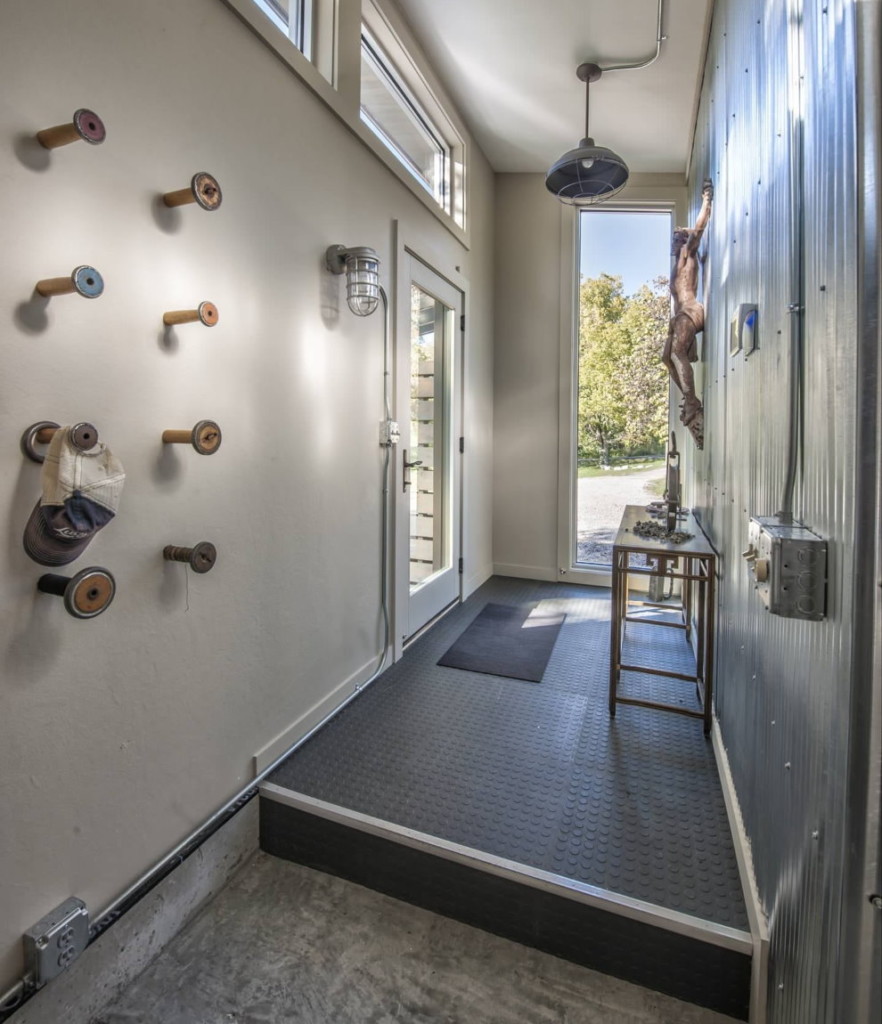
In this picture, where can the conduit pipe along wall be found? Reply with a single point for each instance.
(120, 736)
(781, 81)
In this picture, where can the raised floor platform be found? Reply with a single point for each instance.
(524, 809)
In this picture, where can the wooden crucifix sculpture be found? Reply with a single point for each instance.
(681, 348)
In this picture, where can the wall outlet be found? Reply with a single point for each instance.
(53, 943)
(390, 433)
(789, 567)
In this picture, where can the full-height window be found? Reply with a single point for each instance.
(621, 383)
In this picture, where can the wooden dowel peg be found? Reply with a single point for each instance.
(203, 190)
(86, 126)
(85, 281)
(86, 595)
(83, 436)
(200, 558)
(205, 313)
(205, 437)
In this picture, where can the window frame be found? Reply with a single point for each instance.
(333, 74)
(656, 197)
(386, 70)
(300, 32)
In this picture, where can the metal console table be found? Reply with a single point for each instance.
(694, 563)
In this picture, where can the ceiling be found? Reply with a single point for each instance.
(510, 67)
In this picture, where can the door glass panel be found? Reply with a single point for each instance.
(429, 519)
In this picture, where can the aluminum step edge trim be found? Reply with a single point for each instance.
(601, 899)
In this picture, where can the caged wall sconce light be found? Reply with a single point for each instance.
(362, 268)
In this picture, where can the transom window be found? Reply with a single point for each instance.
(395, 116)
(292, 17)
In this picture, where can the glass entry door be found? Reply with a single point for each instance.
(427, 548)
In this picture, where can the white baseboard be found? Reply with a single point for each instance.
(525, 572)
(475, 579)
(759, 928)
(314, 716)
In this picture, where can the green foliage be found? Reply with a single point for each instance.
(623, 384)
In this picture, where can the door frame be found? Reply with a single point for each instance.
(406, 249)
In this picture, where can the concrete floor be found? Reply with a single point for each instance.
(283, 943)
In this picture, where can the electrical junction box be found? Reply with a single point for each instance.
(789, 567)
(390, 433)
(54, 942)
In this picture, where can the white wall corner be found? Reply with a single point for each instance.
(315, 716)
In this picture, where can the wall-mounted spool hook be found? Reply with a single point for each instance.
(200, 558)
(203, 190)
(83, 436)
(85, 281)
(205, 313)
(205, 437)
(86, 595)
(86, 125)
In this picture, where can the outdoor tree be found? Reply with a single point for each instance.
(623, 385)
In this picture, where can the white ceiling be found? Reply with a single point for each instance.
(510, 67)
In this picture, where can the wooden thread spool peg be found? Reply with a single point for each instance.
(86, 126)
(83, 436)
(205, 437)
(206, 313)
(85, 281)
(86, 595)
(200, 558)
(204, 190)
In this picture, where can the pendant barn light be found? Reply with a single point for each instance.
(590, 173)
(362, 268)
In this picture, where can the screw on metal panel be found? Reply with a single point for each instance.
(876, 900)
(815, 834)
(787, 765)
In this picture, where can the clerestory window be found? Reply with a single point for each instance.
(293, 18)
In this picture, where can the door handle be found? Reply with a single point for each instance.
(407, 466)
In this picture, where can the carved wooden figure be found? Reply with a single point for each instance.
(681, 348)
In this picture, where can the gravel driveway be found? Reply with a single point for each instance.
(602, 500)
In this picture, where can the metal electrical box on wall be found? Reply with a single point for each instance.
(789, 566)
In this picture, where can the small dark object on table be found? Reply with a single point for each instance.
(656, 531)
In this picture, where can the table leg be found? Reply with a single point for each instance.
(710, 624)
(615, 637)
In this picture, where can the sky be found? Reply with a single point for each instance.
(635, 246)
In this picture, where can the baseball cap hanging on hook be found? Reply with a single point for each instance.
(589, 173)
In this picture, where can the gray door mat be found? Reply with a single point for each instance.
(514, 641)
(540, 774)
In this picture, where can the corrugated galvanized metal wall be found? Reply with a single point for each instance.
(776, 135)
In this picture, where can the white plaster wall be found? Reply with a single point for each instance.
(531, 260)
(120, 735)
